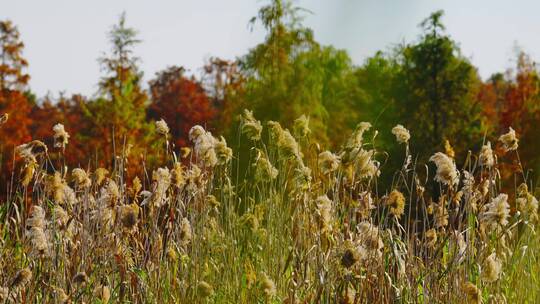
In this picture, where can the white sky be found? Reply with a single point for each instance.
(64, 38)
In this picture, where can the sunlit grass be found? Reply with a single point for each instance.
(282, 222)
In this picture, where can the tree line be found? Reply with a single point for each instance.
(426, 84)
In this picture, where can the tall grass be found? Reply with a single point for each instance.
(296, 225)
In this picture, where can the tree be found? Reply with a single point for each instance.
(69, 112)
(270, 87)
(118, 115)
(44, 116)
(328, 81)
(378, 79)
(492, 96)
(225, 86)
(14, 99)
(290, 74)
(13, 82)
(439, 91)
(513, 100)
(12, 64)
(181, 102)
(521, 95)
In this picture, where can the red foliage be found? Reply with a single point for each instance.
(13, 81)
(181, 102)
(16, 130)
(490, 100)
(521, 94)
(68, 112)
(512, 101)
(44, 117)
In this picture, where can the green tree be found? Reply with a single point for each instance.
(439, 90)
(377, 78)
(118, 115)
(290, 74)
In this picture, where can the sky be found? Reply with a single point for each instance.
(64, 38)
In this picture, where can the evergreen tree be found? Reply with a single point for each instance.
(439, 90)
(118, 115)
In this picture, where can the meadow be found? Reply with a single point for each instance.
(296, 225)
(289, 174)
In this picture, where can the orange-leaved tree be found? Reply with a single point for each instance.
(181, 101)
(118, 126)
(69, 112)
(14, 97)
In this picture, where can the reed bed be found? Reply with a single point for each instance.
(279, 222)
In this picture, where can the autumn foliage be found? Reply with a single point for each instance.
(426, 84)
(14, 99)
(181, 101)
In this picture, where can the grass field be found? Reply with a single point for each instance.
(280, 222)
